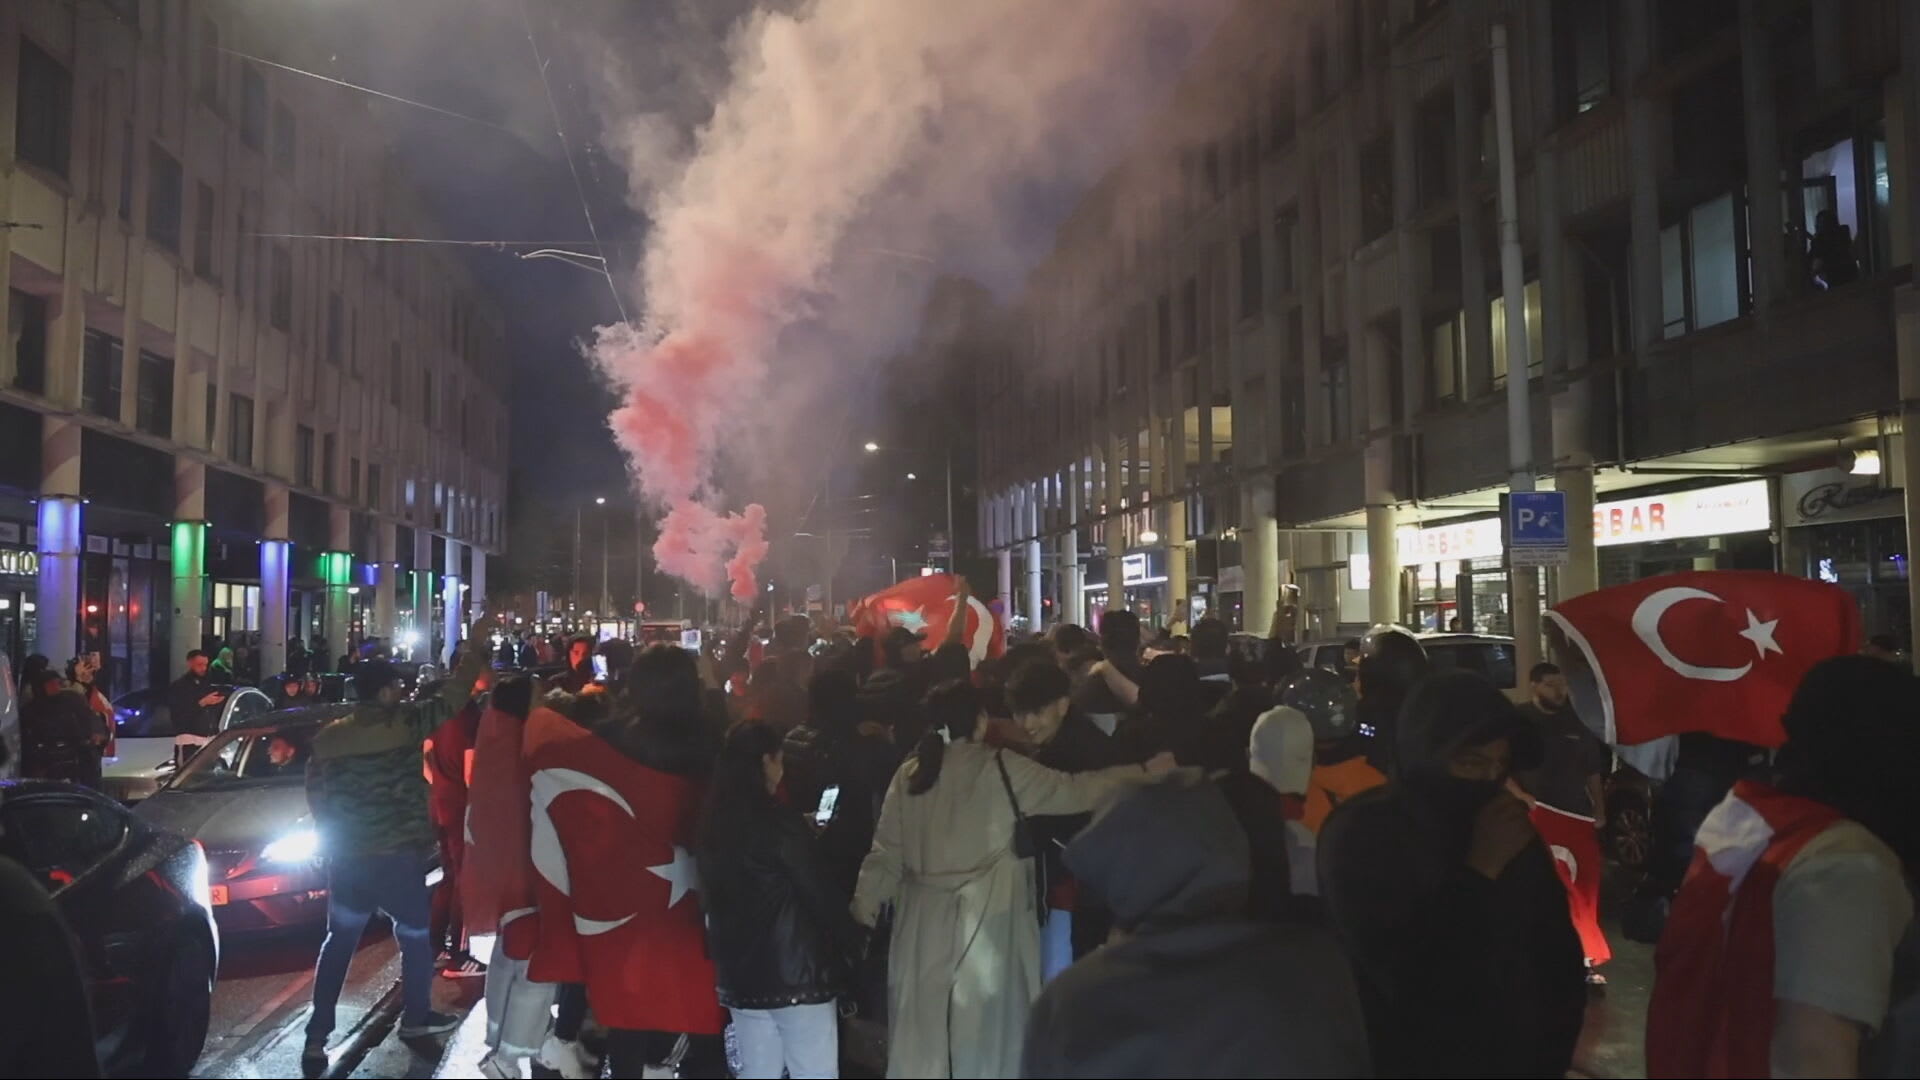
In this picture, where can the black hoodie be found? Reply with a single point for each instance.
(1194, 989)
(1460, 975)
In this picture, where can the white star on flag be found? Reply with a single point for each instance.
(915, 620)
(1761, 634)
(679, 873)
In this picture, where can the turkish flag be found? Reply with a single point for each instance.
(614, 881)
(1718, 651)
(926, 604)
(1576, 855)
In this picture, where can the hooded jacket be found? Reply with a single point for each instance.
(1194, 989)
(1460, 975)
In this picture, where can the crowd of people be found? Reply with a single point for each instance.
(1094, 855)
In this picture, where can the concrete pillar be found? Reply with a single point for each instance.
(1072, 581)
(1005, 559)
(1383, 542)
(386, 615)
(1573, 474)
(1643, 200)
(1176, 541)
(1259, 556)
(336, 568)
(275, 555)
(187, 547)
(1036, 610)
(57, 599)
(422, 631)
(1768, 259)
(304, 630)
(453, 591)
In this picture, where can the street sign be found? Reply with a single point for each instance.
(1537, 528)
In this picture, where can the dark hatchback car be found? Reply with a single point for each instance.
(135, 899)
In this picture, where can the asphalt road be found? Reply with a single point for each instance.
(260, 1006)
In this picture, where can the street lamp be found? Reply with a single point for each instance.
(872, 447)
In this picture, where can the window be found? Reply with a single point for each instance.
(281, 314)
(153, 395)
(426, 397)
(373, 486)
(1285, 224)
(1336, 390)
(329, 450)
(126, 172)
(1251, 281)
(1447, 356)
(336, 329)
(1433, 163)
(1530, 297)
(1282, 118)
(163, 199)
(43, 116)
(253, 107)
(353, 479)
(1317, 86)
(396, 389)
(240, 429)
(283, 136)
(1703, 262)
(210, 62)
(1841, 208)
(303, 455)
(100, 375)
(1583, 54)
(203, 230)
(1189, 317)
(27, 324)
(241, 270)
(59, 837)
(1376, 189)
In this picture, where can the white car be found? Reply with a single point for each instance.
(144, 752)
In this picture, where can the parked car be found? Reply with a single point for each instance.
(243, 798)
(145, 736)
(137, 903)
(1487, 654)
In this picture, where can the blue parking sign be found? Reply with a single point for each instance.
(1537, 528)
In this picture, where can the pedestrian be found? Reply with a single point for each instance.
(83, 674)
(192, 697)
(579, 674)
(1779, 955)
(1336, 763)
(779, 932)
(31, 669)
(1190, 986)
(299, 662)
(527, 654)
(1120, 650)
(60, 736)
(449, 757)
(369, 800)
(1211, 645)
(777, 690)
(1448, 901)
(617, 785)
(222, 671)
(1570, 779)
(1391, 661)
(953, 856)
(496, 879)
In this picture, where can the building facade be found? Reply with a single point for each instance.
(1265, 366)
(213, 426)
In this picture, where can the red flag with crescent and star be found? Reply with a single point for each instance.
(925, 604)
(1715, 651)
(614, 879)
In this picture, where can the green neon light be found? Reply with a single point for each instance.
(336, 567)
(189, 548)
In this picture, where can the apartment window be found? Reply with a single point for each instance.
(426, 397)
(329, 451)
(1376, 189)
(281, 313)
(1684, 27)
(373, 486)
(240, 429)
(210, 62)
(283, 137)
(153, 395)
(336, 329)
(1252, 282)
(126, 172)
(27, 324)
(253, 107)
(100, 375)
(163, 199)
(1281, 122)
(396, 389)
(1583, 45)
(1842, 210)
(1189, 317)
(240, 267)
(43, 116)
(1336, 390)
(1317, 86)
(1530, 297)
(353, 480)
(1447, 357)
(1163, 323)
(1433, 163)
(303, 455)
(1703, 261)
(1285, 224)
(203, 232)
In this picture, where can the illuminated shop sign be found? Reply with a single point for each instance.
(19, 563)
(1724, 510)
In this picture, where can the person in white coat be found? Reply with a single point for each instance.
(949, 857)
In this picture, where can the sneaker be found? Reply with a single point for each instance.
(568, 1058)
(498, 1066)
(1596, 979)
(436, 1023)
(313, 1058)
(463, 966)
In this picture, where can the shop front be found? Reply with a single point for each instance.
(1850, 530)
(19, 584)
(1143, 583)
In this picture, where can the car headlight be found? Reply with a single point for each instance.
(295, 847)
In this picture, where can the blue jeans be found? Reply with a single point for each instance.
(358, 886)
(800, 1041)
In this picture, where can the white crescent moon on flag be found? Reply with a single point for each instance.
(1646, 625)
(548, 857)
(982, 632)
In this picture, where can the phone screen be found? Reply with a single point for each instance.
(599, 668)
(823, 814)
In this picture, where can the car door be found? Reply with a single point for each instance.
(244, 704)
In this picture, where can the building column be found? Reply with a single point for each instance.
(1005, 559)
(1573, 475)
(306, 617)
(1906, 307)
(1176, 542)
(1383, 541)
(187, 549)
(386, 616)
(57, 599)
(275, 554)
(421, 644)
(1031, 522)
(1072, 598)
(1259, 557)
(452, 606)
(476, 605)
(336, 569)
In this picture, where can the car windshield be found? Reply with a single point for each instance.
(251, 755)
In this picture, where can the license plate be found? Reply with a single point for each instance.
(219, 894)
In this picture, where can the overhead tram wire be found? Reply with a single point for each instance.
(560, 131)
(263, 61)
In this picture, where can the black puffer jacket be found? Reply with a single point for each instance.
(779, 934)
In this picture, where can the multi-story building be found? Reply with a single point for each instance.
(1266, 363)
(213, 424)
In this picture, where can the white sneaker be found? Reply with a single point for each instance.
(568, 1058)
(498, 1066)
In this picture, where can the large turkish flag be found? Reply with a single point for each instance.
(926, 603)
(614, 879)
(1718, 651)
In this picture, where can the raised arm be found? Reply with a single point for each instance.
(957, 623)
(1042, 791)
